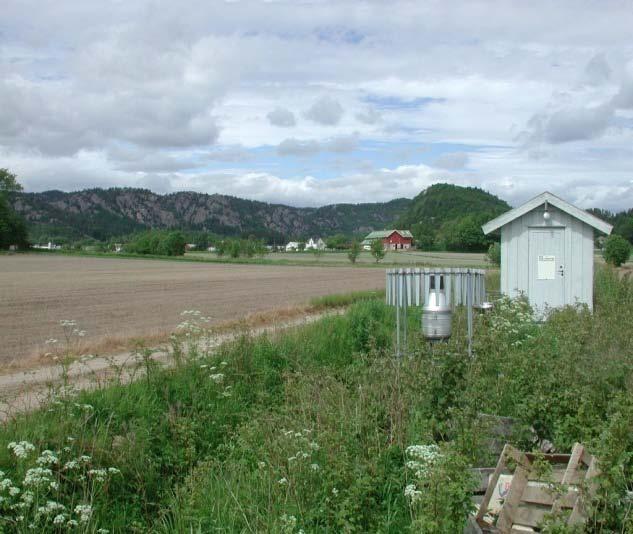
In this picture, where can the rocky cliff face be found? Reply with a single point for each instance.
(104, 213)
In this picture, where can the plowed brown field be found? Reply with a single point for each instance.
(122, 298)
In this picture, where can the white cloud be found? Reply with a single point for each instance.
(369, 116)
(326, 111)
(146, 92)
(597, 71)
(281, 117)
(299, 147)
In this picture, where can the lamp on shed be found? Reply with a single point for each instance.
(546, 214)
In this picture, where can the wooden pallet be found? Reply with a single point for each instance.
(531, 496)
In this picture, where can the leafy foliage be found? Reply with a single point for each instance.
(622, 222)
(616, 250)
(236, 248)
(354, 251)
(449, 217)
(494, 254)
(377, 249)
(158, 243)
(12, 227)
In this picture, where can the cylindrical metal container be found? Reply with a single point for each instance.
(437, 316)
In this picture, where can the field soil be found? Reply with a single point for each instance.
(115, 300)
(409, 257)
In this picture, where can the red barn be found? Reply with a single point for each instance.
(391, 239)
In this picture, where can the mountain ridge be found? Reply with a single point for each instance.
(105, 213)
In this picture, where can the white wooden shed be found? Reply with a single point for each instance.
(547, 251)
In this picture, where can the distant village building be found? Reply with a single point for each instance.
(118, 247)
(190, 246)
(292, 246)
(48, 246)
(315, 244)
(547, 248)
(391, 239)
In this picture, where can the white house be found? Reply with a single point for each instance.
(49, 246)
(292, 246)
(547, 249)
(315, 244)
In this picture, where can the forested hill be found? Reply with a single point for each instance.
(450, 217)
(106, 213)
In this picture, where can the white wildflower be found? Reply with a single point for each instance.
(13, 491)
(47, 458)
(424, 457)
(283, 481)
(99, 475)
(217, 378)
(412, 493)
(50, 508)
(84, 511)
(59, 519)
(21, 449)
(314, 467)
(261, 465)
(71, 465)
(334, 492)
(37, 476)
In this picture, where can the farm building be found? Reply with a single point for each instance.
(315, 244)
(547, 248)
(391, 239)
(292, 246)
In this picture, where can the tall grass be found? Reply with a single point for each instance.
(312, 430)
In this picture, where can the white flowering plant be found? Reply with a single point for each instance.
(192, 336)
(438, 489)
(53, 491)
(512, 321)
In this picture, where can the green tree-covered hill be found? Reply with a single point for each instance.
(446, 216)
(103, 214)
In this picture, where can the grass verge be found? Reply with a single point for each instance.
(320, 429)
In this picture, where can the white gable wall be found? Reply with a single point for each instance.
(578, 254)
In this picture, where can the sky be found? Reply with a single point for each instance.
(310, 103)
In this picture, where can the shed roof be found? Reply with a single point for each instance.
(381, 234)
(572, 210)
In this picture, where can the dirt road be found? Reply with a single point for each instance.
(115, 299)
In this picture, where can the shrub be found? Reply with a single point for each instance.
(159, 243)
(172, 244)
(368, 326)
(377, 249)
(616, 250)
(354, 251)
(494, 254)
(440, 489)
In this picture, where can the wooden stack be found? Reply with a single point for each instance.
(525, 488)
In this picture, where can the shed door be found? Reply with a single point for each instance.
(547, 267)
